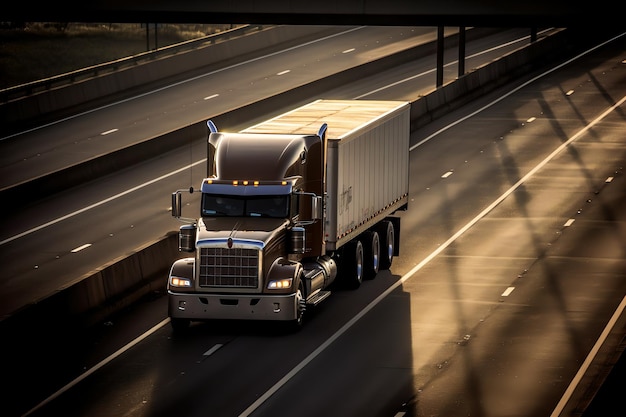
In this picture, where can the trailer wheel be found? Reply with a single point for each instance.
(352, 263)
(387, 242)
(371, 254)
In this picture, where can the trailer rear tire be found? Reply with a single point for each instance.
(371, 254)
(352, 264)
(387, 243)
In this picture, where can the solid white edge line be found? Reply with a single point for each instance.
(590, 357)
(99, 365)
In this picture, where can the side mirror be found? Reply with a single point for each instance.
(177, 202)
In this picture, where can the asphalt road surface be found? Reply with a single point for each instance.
(511, 272)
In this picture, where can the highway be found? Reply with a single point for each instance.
(65, 222)
(489, 310)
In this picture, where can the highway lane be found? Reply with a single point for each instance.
(452, 326)
(52, 231)
(89, 218)
(50, 147)
(79, 138)
(502, 317)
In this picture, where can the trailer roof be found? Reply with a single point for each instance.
(342, 117)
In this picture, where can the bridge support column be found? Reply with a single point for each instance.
(440, 37)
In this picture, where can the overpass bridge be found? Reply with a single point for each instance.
(486, 13)
(439, 13)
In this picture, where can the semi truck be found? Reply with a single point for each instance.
(291, 209)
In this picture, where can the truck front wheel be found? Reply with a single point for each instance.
(296, 324)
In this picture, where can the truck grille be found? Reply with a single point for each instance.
(232, 268)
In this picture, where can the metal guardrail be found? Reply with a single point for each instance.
(34, 87)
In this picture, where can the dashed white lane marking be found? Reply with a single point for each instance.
(211, 96)
(447, 174)
(213, 349)
(347, 51)
(508, 292)
(283, 72)
(108, 132)
(78, 249)
(569, 223)
(608, 180)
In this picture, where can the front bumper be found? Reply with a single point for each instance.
(230, 306)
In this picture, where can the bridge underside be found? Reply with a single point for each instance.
(486, 13)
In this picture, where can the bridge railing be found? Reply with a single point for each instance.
(62, 80)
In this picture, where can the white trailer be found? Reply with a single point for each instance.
(367, 166)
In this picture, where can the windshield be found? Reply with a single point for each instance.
(236, 206)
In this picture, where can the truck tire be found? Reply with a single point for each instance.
(352, 264)
(295, 325)
(387, 236)
(371, 254)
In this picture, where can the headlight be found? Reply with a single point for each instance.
(180, 282)
(279, 284)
